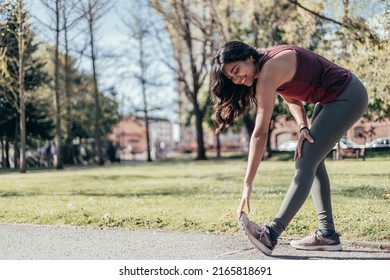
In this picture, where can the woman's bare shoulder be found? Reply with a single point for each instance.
(280, 68)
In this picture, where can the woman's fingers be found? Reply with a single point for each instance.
(309, 138)
(298, 150)
(296, 155)
(240, 208)
(244, 202)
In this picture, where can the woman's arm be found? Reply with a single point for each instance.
(265, 99)
(297, 110)
(299, 113)
(265, 106)
(274, 73)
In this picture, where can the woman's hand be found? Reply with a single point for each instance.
(246, 194)
(304, 134)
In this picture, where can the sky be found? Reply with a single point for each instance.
(111, 37)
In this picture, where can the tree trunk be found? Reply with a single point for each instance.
(143, 86)
(269, 150)
(199, 133)
(22, 109)
(2, 152)
(218, 146)
(7, 164)
(16, 145)
(149, 158)
(98, 141)
(249, 124)
(58, 161)
(69, 138)
(22, 127)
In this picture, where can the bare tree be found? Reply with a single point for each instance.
(140, 26)
(58, 162)
(190, 26)
(63, 18)
(21, 21)
(69, 20)
(53, 6)
(94, 10)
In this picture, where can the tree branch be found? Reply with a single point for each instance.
(352, 25)
(317, 14)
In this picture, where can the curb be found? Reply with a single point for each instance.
(374, 245)
(384, 246)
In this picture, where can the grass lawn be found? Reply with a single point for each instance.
(195, 196)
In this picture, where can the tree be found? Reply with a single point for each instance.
(358, 27)
(69, 21)
(263, 24)
(358, 39)
(93, 11)
(140, 28)
(39, 126)
(82, 103)
(190, 26)
(142, 49)
(55, 10)
(20, 72)
(7, 124)
(21, 22)
(64, 17)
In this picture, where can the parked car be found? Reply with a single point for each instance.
(348, 149)
(383, 142)
(288, 146)
(348, 144)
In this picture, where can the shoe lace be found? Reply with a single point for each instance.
(261, 230)
(315, 235)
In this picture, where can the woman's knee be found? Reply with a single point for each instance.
(306, 165)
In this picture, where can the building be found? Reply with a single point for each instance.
(285, 130)
(129, 137)
(365, 131)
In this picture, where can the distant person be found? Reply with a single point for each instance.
(242, 75)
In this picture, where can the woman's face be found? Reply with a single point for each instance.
(241, 72)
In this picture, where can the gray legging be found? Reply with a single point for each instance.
(329, 123)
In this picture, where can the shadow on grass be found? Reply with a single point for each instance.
(192, 192)
(11, 194)
(153, 177)
(362, 192)
(155, 192)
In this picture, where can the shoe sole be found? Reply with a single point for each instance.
(337, 247)
(262, 248)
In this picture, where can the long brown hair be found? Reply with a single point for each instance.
(230, 100)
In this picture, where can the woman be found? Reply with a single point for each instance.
(241, 75)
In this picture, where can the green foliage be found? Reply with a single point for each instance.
(38, 124)
(361, 44)
(34, 74)
(353, 34)
(40, 112)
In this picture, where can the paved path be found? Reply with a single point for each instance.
(27, 242)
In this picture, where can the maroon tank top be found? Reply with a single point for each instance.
(316, 79)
